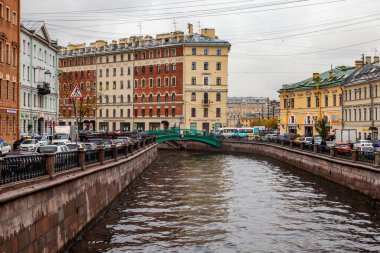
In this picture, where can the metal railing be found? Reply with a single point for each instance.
(91, 157)
(121, 151)
(366, 156)
(22, 167)
(66, 161)
(108, 154)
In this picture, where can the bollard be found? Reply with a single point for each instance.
(354, 155)
(82, 157)
(302, 145)
(332, 151)
(377, 159)
(315, 148)
(114, 151)
(50, 164)
(102, 152)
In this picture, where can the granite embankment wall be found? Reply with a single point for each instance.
(47, 215)
(361, 177)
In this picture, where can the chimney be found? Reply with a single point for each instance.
(368, 60)
(376, 59)
(331, 74)
(191, 29)
(358, 64)
(315, 76)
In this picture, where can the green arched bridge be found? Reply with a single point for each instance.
(177, 134)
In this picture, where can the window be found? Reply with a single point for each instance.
(193, 96)
(136, 84)
(114, 113)
(158, 82)
(158, 112)
(218, 81)
(326, 101)
(158, 53)
(174, 67)
(205, 51)
(205, 112)
(1, 10)
(166, 81)
(193, 112)
(151, 54)
(340, 99)
(173, 53)
(107, 86)
(159, 68)
(121, 71)
(7, 54)
(7, 14)
(1, 51)
(218, 96)
(150, 68)
(128, 113)
(129, 71)
(193, 66)
(218, 112)
(316, 101)
(167, 67)
(218, 66)
(205, 66)
(193, 51)
(173, 96)
(150, 98)
(143, 83)
(143, 69)
(193, 80)
(143, 55)
(107, 72)
(100, 73)
(151, 83)
(158, 97)
(205, 80)
(365, 92)
(121, 113)
(114, 85)
(135, 113)
(173, 81)
(121, 85)
(218, 51)
(166, 52)
(173, 112)
(166, 97)
(166, 112)
(150, 112)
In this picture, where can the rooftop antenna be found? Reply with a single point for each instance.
(175, 25)
(140, 26)
(199, 27)
(375, 49)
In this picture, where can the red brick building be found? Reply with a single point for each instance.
(9, 69)
(158, 87)
(78, 70)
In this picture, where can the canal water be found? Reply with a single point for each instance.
(204, 202)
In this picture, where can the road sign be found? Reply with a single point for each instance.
(76, 93)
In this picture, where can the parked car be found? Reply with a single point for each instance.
(367, 152)
(118, 142)
(343, 148)
(318, 140)
(363, 143)
(4, 148)
(52, 149)
(19, 153)
(376, 144)
(72, 146)
(307, 140)
(98, 142)
(29, 145)
(42, 140)
(272, 136)
(126, 140)
(284, 137)
(107, 143)
(90, 146)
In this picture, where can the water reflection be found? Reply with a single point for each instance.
(194, 202)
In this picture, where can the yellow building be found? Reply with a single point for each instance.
(304, 102)
(205, 82)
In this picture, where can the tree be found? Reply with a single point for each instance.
(322, 127)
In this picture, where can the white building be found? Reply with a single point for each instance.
(39, 79)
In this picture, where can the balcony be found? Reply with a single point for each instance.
(206, 102)
(43, 88)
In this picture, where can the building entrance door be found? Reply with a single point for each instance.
(206, 127)
(308, 131)
(40, 126)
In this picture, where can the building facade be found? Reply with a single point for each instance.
(146, 83)
(78, 69)
(362, 99)
(9, 69)
(39, 80)
(305, 102)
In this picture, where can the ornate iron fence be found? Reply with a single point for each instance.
(91, 156)
(66, 161)
(108, 154)
(22, 167)
(121, 151)
(366, 156)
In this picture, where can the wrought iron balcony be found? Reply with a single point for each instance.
(206, 102)
(43, 88)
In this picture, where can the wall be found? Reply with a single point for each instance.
(47, 215)
(360, 177)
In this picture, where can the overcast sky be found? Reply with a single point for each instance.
(274, 42)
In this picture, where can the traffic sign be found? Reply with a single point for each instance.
(76, 93)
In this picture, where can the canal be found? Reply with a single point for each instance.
(204, 202)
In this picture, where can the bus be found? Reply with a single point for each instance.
(227, 132)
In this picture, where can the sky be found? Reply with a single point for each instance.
(274, 42)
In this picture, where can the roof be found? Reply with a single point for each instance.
(340, 73)
(369, 72)
(196, 39)
(32, 26)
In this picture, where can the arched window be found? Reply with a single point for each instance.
(136, 98)
(114, 98)
(150, 98)
(173, 96)
(292, 120)
(129, 98)
(121, 99)
(218, 96)
(100, 99)
(158, 97)
(166, 97)
(193, 96)
(205, 97)
(107, 101)
(143, 98)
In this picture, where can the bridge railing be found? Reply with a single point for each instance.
(18, 168)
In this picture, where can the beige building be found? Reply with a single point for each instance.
(362, 99)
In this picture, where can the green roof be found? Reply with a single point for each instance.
(340, 73)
